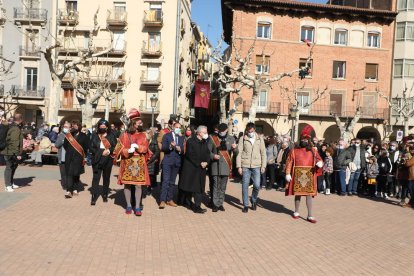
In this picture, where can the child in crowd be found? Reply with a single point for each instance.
(372, 173)
(328, 169)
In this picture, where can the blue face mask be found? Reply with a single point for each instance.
(177, 131)
(65, 130)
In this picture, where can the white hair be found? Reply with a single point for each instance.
(200, 128)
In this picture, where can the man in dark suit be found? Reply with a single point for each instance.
(173, 149)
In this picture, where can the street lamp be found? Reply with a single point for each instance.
(154, 101)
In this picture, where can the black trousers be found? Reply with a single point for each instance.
(72, 183)
(62, 170)
(105, 172)
(198, 198)
(271, 170)
(11, 166)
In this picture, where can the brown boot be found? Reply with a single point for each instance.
(162, 205)
(171, 203)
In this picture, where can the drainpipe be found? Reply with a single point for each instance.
(177, 53)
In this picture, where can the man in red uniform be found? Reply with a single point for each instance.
(133, 152)
(301, 167)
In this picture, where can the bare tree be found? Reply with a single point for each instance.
(291, 95)
(259, 80)
(347, 127)
(8, 103)
(402, 105)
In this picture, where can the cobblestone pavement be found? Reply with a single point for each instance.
(42, 233)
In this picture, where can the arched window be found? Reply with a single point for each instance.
(373, 39)
(341, 37)
(307, 33)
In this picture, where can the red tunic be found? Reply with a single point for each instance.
(301, 165)
(133, 167)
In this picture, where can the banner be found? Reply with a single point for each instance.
(202, 94)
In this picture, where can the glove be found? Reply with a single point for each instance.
(135, 146)
(131, 150)
(288, 178)
(319, 164)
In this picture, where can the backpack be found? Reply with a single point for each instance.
(3, 136)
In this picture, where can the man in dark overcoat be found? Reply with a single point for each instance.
(194, 170)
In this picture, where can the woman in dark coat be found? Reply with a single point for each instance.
(75, 162)
(194, 169)
(154, 161)
(102, 146)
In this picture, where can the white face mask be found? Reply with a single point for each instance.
(250, 134)
(65, 130)
(392, 147)
(205, 136)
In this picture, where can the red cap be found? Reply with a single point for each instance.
(134, 114)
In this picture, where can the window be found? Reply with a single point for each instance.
(405, 31)
(118, 43)
(117, 71)
(67, 98)
(153, 72)
(307, 33)
(264, 30)
(341, 37)
(357, 38)
(404, 68)
(31, 79)
(374, 39)
(335, 100)
(405, 5)
(399, 102)
(371, 71)
(71, 6)
(120, 7)
(262, 99)
(302, 63)
(148, 98)
(339, 69)
(154, 42)
(369, 101)
(303, 101)
(262, 64)
(32, 40)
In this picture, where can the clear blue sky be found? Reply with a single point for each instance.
(207, 14)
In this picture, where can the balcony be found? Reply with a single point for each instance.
(22, 15)
(151, 49)
(116, 18)
(269, 108)
(66, 17)
(2, 16)
(72, 45)
(29, 52)
(153, 18)
(28, 92)
(150, 78)
(347, 111)
(69, 105)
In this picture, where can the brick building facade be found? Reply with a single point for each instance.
(352, 58)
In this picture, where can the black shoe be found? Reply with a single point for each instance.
(199, 210)
(254, 206)
(221, 208)
(245, 209)
(349, 194)
(105, 198)
(342, 194)
(214, 209)
(93, 199)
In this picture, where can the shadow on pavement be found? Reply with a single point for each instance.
(24, 181)
(273, 206)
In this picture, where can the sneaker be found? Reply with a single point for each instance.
(9, 189)
(327, 192)
(128, 210)
(75, 193)
(68, 195)
(386, 196)
(311, 219)
(138, 212)
(295, 215)
(14, 186)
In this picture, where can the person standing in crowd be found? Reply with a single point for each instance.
(164, 131)
(132, 149)
(281, 159)
(222, 146)
(394, 156)
(45, 146)
(372, 175)
(154, 161)
(385, 169)
(358, 159)
(173, 149)
(271, 155)
(62, 153)
(402, 175)
(194, 171)
(251, 162)
(12, 151)
(341, 160)
(76, 145)
(328, 169)
(301, 174)
(410, 165)
(102, 145)
(115, 131)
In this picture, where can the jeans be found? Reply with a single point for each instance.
(340, 180)
(37, 156)
(62, 170)
(11, 166)
(353, 181)
(247, 174)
